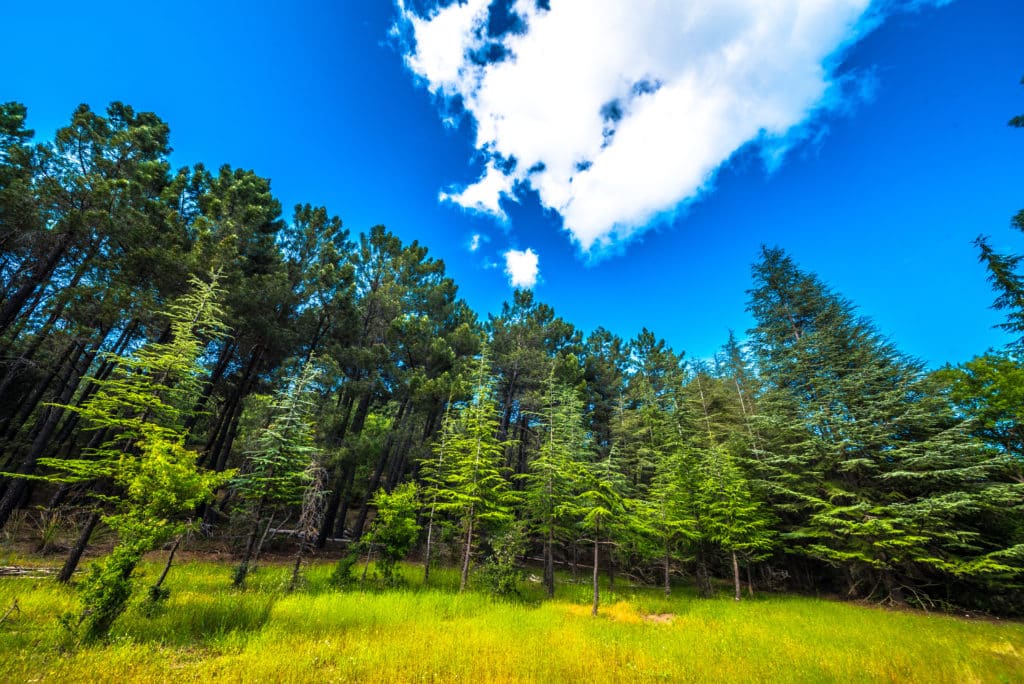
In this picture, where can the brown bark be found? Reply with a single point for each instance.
(71, 564)
(549, 564)
(736, 576)
(167, 565)
(703, 577)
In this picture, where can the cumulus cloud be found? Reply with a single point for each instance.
(521, 267)
(618, 111)
(483, 196)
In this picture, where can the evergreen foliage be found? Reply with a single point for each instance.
(394, 531)
(152, 478)
(279, 468)
(550, 484)
(813, 452)
(468, 480)
(878, 473)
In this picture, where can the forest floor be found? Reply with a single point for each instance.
(208, 631)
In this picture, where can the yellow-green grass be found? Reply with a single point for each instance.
(210, 632)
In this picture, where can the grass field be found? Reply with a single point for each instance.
(209, 632)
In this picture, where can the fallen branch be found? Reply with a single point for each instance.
(18, 571)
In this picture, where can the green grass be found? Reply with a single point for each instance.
(207, 631)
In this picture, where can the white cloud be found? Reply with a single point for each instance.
(617, 111)
(484, 196)
(476, 241)
(521, 267)
(441, 44)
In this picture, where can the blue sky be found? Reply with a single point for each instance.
(880, 190)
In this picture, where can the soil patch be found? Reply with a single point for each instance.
(661, 618)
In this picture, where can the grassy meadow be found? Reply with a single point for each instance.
(207, 631)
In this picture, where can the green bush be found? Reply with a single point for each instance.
(500, 574)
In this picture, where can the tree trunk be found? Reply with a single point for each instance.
(297, 566)
(703, 577)
(218, 430)
(49, 420)
(895, 590)
(593, 609)
(64, 441)
(464, 580)
(333, 519)
(250, 547)
(378, 470)
(167, 567)
(220, 446)
(330, 511)
(549, 565)
(522, 459)
(229, 440)
(397, 468)
(426, 553)
(71, 564)
(40, 335)
(346, 501)
(13, 306)
(226, 352)
(736, 576)
(18, 326)
(668, 584)
(73, 350)
(750, 582)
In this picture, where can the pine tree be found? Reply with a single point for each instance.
(871, 471)
(468, 482)
(548, 491)
(601, 508)
(733, 518)
(149, 476)
(277, 471)
(668, 514)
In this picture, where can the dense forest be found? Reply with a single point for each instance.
(177, 355)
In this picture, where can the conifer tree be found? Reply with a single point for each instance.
(468, 482)
(549, 484)
(874, 474)
(148, 476)
(277, 470)
(668, 514)
(601, 509)
(733, 518)
(433, 473)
